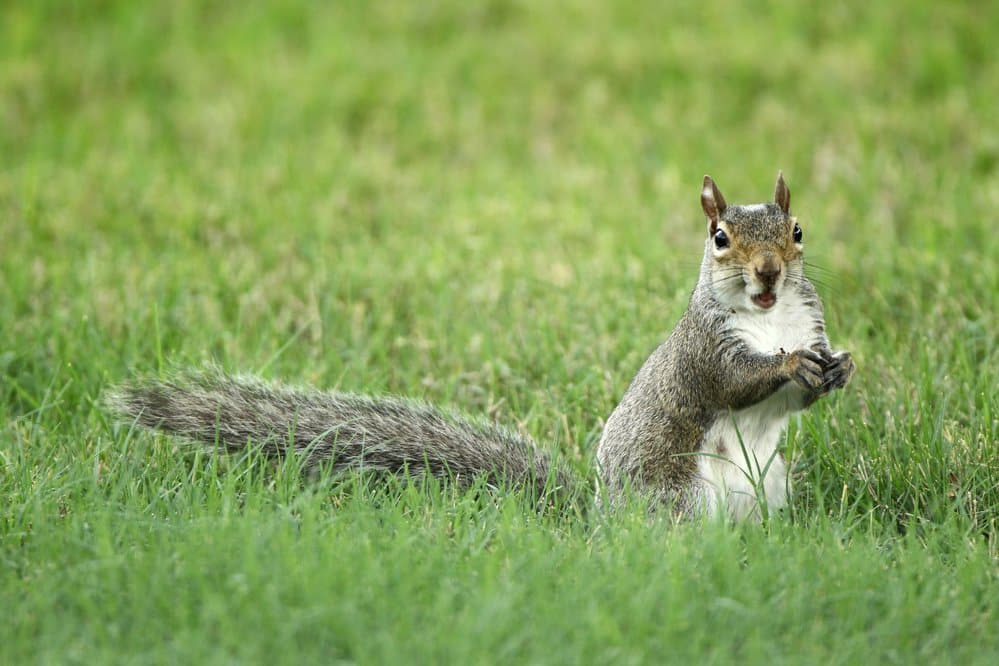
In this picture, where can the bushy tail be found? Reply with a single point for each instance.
(347, 431)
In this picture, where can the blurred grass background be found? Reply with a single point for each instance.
(493, 206)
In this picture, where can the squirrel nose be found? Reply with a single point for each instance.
(768, 273)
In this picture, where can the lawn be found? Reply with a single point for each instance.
(491, 206)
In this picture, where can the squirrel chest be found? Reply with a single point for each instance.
(790, 325)
(742, 467)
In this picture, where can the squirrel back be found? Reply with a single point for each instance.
(698, 429)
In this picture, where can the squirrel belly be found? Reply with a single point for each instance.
(743, 467)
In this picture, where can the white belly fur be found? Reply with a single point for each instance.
(742, 465)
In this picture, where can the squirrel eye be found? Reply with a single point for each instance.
(721, 239)
(797, 233)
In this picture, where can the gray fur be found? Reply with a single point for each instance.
(699, 375)
(703, 372)
(342, 430)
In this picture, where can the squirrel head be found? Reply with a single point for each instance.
(750, 250)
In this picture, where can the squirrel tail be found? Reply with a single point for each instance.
(346, 431)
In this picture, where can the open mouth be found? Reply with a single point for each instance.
(766, 300)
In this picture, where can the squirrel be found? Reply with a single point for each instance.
(697, 432)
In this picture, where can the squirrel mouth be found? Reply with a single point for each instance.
(765, 300)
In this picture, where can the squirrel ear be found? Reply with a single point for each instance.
(712, 202)
(782, 195)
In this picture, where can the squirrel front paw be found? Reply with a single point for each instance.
(806, 368)
(837, 371)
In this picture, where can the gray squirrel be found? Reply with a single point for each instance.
(697, 432)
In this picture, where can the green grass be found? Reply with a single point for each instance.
(492, 206)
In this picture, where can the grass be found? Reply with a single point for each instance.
(491, 206)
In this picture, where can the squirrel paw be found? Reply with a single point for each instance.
(807, 369)
(837, 371)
